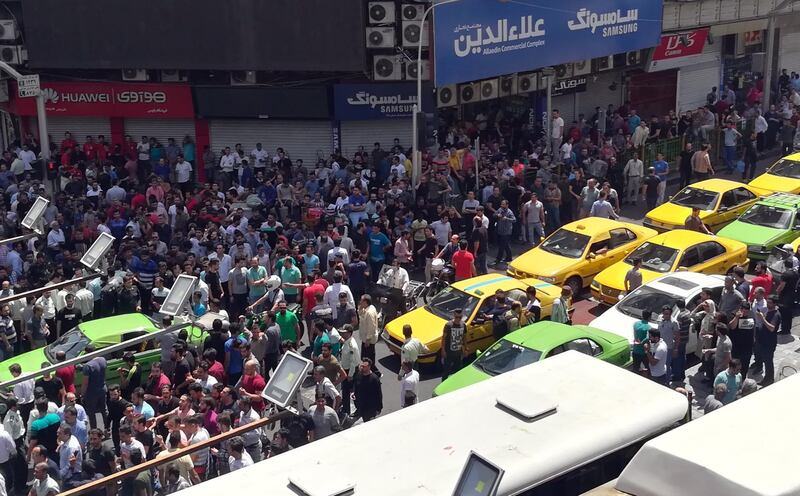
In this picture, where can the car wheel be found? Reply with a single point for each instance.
(576, 285)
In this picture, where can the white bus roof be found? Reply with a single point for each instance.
(744, 449)
(421, 450)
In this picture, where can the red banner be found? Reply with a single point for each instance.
(681, 45)
(109, 100)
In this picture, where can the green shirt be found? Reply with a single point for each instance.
(287, 321)
(640, 331)
(292, 276)
(256, 274)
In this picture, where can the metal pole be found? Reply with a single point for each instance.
(477, 166)
(415, 171)
(11, 241)
(548, 76)
(770, 48)
(101, 352)
(44, 138)
(52, 287)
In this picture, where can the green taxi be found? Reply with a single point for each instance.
(770, 222)
(102, 333)
(536, 342)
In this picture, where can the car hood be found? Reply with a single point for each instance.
(537, 262)
(614, 276)
(776, 183)
(750, 234)
(426, 327)
(30, 362)
(467, 376)
(674, 215)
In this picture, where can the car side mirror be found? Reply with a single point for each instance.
(682, 269)
(591, 256)
(478, 353)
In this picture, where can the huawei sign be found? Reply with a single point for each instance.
(113, 100)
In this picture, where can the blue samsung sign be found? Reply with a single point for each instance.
(357, 102)
(478, 39)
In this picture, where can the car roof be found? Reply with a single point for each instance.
(781, 200)
(717, 185)
(484, 285)
(700, 280)
(547, 334)
(593, 225)
(102, 328)
(793, 156)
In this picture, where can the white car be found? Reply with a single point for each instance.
(652, 296)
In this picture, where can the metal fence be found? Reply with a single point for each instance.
(670, 148)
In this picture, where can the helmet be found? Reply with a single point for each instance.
(788, 247)
(273, 283)
(437, 264)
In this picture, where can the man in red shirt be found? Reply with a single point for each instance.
(463, 262)
(763, 279)
(66, 374)
(252, 385)
(90, 148)
(68, 142)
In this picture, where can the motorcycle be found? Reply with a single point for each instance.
(393, 302)
(442, 275)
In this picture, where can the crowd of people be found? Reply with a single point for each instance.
(287, 255)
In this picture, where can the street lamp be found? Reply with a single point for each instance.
(416, 158)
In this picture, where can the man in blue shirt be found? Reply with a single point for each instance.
(378, 242)
(662, 170)
(357, 204)
(633, 121)
(731, 135)
(731, 378)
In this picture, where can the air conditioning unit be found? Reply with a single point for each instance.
(13, 54)
(633, 58)
(173, 76)
(134, 75)
(381, 12)
(582, 67)
(8, 30)
(469, 93)
(508, 85)
(243, 78)
(387, 68)
(412, 11)
(563, 71)
(489, 89)
(528, 82)
(412, 34)
(412, 70)
(601, 64)
(380, 37)
(447, 96)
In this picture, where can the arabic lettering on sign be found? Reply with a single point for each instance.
(586, 19)
(365, 98)
(494, 35)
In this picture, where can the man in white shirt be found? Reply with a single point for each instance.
(55, 238)
(409, 380)
(27, 156)
(226, 165)
(633, 173)
(225, 263)
(412, 347)
(251, 438)
(260, 157)
(183, 174)
(656, 350)
(395, 276)
(557, 132)
(238, 458)
(128, 443)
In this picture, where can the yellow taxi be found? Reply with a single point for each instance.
(720, 202)
(783, 176)
(578, 251)
(673, 250)
(475, 297)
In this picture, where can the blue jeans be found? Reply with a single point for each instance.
(730, 158)
(553, 215)
(679, 364)
(534, 233)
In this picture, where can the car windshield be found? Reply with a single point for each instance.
(767, 216)
(655, 257)
(504, 356)
(646, 298)
(693, 197)
(448, 300)
(786, 168)
(566, 243)
(72, 343)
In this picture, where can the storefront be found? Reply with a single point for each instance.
(376, 113)
(107, 109)
(698, 62)
(295, 119)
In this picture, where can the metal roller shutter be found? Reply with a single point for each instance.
(367, 133)
(306, 140)
(789, 54)
(565, 105)
(599, 94)
(694, 83)
(80, 127)
(161, 129)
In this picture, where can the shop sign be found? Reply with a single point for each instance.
(681, 45)
(111, 99)
(358, 102)
(479, 39)
(570, 86)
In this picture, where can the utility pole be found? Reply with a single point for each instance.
(28, 86)
(770, 49)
